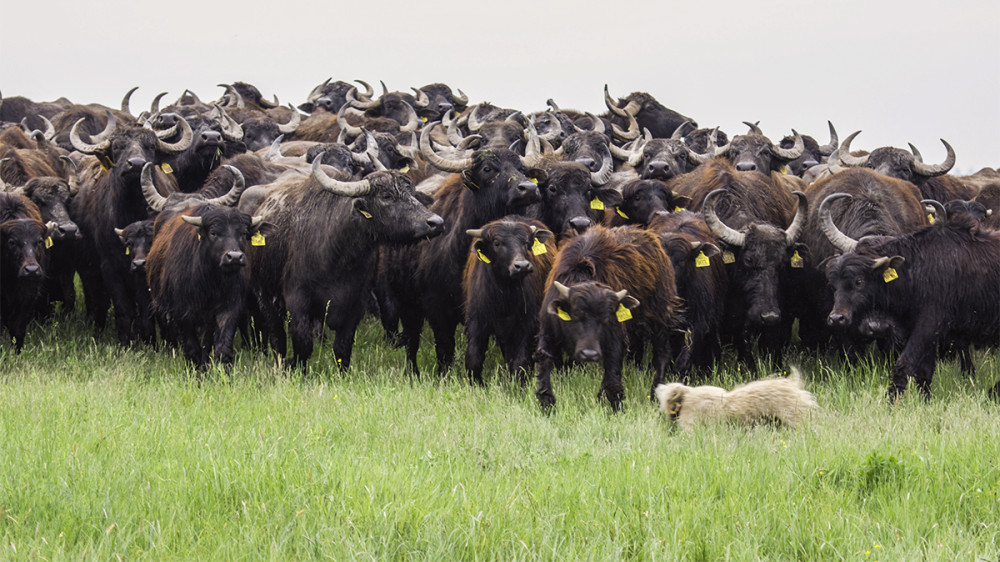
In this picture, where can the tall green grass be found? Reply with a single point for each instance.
(109, 453)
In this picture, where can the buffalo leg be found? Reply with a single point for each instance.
(917, 361)
(611, 383)
(477, 340)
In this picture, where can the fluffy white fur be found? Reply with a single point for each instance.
(781, 399)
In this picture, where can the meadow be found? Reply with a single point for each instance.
(115, 454)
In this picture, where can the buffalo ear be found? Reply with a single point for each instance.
(627, 300)
(543, 235)
(709, 249)
(362, 207)
(893, 262)
(896, 261)
(478, 245)
(554, 307)
(801, 248)
(681, 201)
(609, 196)
(537, 174)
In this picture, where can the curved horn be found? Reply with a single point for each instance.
(379, 166)
(473, 123)
(475, 232)
(121, 233)
(412, 122)
(410, 148)
(317, 92)
(841, 241)
(563, 289)
(50, 130)
(101, 142)
(939, 211)
(235, 99)
(612, 104)
(187, 137)
(193, 221)
(125, 100)
(789, 153)
(270, 104)
(725, 233)
(597, 125)
(845, 153)
(256, 221)
(631, 133)
(936, 170)
(679, 131)
(754, 129)
(345, 125)
(454, 136)
(448, 165)
(274, 152)
(385, 90)
(155, 201)
(231, 129)
(368, 93)
(154, 106)
(533, 149)
(915, 152)
(233, 195)
(343, 188)
(794, 230)
(293, 123)
(601, 177)
(555, 128)
(421, 100)
(460, 99)
(69, 169)
(827, 149)
(353, 101)
(551, 103)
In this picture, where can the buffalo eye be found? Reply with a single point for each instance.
(487, 169)
(497, 244)
(859, 283)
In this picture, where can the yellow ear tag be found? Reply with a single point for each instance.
(538, 248)
(482, 256)
(701, 260)
(797, 260)
(623, 313)
(127, 252)
(48, 242)
(424, 119)
(678, 209)
(166, 168)
(199, 236)
(562, 314)
(783, 170)
(930, 218)
(257, 239)
(597, 204)
(889, 275)
(620, 212)
(405, 169)
(365, 214)
(728, 257)
(534, 180)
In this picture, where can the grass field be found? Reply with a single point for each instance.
(108, 453)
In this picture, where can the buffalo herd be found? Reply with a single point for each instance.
(563, 236)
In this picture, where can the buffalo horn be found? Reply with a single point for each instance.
(725, 233)
(187, 137)
(101, 141)
(342, 188)
(935, 170)
(754, 129)
(789, 153)
(421, 100)
(69, 169)
(233, 195)
(155, 201)
(193, 221)
(412, 122)
(938, 208)
(293, 123)
(345, 125)
(795, 229)
(270, 104)
(827, 149)
(841, 241)
(125, 100)
(475, 232)
(533, 149)
(563, 289)
(846, 158)
(448, 165)
(460, 99)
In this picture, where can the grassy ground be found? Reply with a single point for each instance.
(107, 453)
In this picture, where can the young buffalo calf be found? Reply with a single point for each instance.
(22, 272)
(503, 285)
(607, 285)
(197, 277)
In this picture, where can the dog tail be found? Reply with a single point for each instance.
(795, 374)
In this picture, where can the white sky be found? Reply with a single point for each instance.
(902, 71)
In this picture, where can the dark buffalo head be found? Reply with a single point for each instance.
(571, 201)
(591, 149)
(51, 195)
(967, 213)
(812, 153)
(858, 281)
(648, 112)
(179, 199)
(440, 100)
(586, 312)
(125, 149)
(762, 254)
(698, 139)
(137, 237)
(755, 152)
(328, 96)
(337, 156)
(663, 159)
(642, 199)
(22, 247)
(240, 94)
(385, 202)
(686, 240)
(499, 171)
(506, 247)
(896, 162)
(223, 233)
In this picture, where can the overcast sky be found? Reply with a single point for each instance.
(903, 71)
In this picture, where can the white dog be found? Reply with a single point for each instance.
(780, 399)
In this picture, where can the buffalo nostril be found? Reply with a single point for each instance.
(836, 319)
(588, 162)
(31, 271)
(746, 167)
(522, 266)
(527, 186)
(235, 258)
(138, 265)
(579, 223)
(435, 221)
(136, 162)
(588, 355)
(211, 136)
(68, 229)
